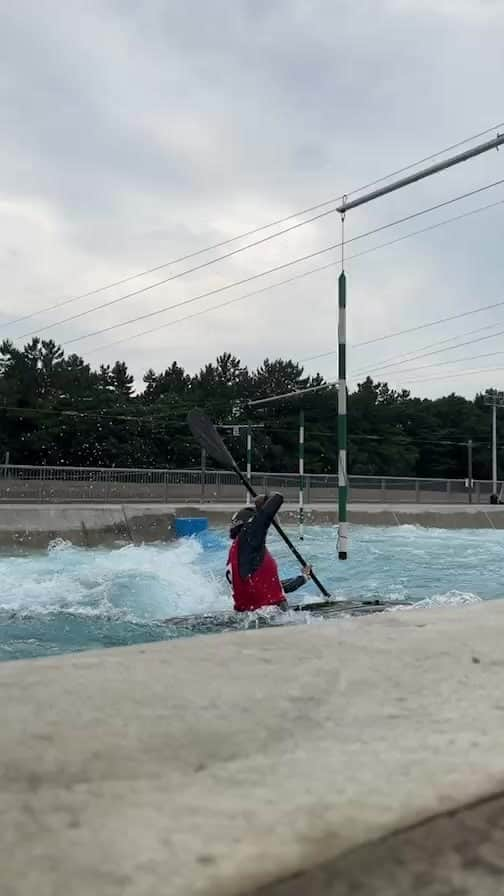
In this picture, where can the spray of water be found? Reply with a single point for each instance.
(69, 598)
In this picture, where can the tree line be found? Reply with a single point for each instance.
(56, 410)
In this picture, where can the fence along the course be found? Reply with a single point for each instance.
(33, 484)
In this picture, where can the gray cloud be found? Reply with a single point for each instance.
(133, 135)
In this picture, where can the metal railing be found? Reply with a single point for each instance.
(30, 484)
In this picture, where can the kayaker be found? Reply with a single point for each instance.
(251, 571)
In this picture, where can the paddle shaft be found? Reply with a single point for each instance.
(282, 534)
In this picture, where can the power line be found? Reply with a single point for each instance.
(247, 233)
(408, 330)
(443, 376)
(300, 276)
(268, 427)
(441, 320)
(183, 407)
(440, 350)
(250, 245)
(262, 273)
(453, 361)
(199, 267)
(308, 273)
(60, 412)
(412, 355)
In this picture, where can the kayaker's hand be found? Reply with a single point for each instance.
(307, 571)
(260, 501)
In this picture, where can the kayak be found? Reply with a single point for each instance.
(228, 620)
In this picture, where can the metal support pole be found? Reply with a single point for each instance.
(236, 429)
(342, 423)
(494, 448)
(470, 469)
(301, 474)
(495, 400)
(6, 464)
(249, 457)
(298, 393)
(203, 474)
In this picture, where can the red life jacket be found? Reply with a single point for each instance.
(262, 589)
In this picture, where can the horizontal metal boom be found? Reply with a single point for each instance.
(425, 172)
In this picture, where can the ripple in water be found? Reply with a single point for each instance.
(69, 598)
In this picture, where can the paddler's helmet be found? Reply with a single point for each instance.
(239, 519)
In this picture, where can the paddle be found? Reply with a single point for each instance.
(206, 434)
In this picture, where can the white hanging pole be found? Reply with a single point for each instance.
(342, 408)
(301, 473)
(494, 448)
(470, 469)
(249, 458)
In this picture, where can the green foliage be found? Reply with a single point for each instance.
(54, 409)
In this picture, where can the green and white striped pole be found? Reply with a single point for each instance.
(343, 208)
(342, 422)
(301, 475)
(249, 458)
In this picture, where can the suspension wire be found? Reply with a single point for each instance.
(249, 279)
(379, 368)
(308, 273)
(247, 233)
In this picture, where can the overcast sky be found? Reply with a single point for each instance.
(132, 134)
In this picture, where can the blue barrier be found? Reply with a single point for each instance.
(187, 526)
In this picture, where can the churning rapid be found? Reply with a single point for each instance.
(67, 598)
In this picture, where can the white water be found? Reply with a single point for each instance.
(69, 598)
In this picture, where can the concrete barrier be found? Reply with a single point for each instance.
(283, 761)
(428, 515)
(35, 526)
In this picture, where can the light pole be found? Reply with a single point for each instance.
(236, 429)
(301, 473)
(203, 474)
(494, 400)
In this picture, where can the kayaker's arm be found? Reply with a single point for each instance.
(290, 585)
(252, 539)
(266, 509)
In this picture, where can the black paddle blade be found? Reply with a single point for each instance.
(206, 434)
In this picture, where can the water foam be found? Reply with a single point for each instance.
(148, 581)
(72, 598)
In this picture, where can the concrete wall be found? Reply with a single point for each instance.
(428, 515)
(275, 762)
(35, 526)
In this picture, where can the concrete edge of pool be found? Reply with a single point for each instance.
(36, 525)
(282, 761)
